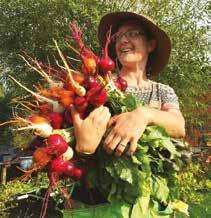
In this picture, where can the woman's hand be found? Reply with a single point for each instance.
(89, 132)
(128, 128)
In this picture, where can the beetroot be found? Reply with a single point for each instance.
(66, 167)
(106, 63)
(55, 119)
(58, 165)
(78, 173)
(90, 60)
(67, 116)
(56, 145)
(97, 96)
(80, 103)
(121, 83)
(90, 82)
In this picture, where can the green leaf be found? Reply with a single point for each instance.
(160, 190)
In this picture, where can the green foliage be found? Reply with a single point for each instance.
(188, 72)
(17, 187)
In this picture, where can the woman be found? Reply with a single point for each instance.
(141, 48)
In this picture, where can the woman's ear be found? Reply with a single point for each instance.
(152, 45)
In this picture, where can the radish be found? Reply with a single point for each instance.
(97, 96)
(78, 173)
(39, 124)
(106, 63)
(67, 155)
(121, 83)
(90, 60)
(68, 168)
(58, 165)
(80, 90)
(80, 103)
(90, 82)
(56, 145)
(67, 116)
(55, 119)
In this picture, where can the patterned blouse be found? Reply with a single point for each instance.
(156, 95)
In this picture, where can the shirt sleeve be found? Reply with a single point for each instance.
(169, 99)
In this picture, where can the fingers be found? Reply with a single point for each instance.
(112, 120)
(121, 147)
(100, 116)
(75, 115)
(114, 141)
(133, 146)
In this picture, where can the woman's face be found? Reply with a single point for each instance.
(131, 45)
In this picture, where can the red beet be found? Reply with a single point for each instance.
(90, 82)
(78, 173)
(80, 103)
(56, 145)
(58, 165)
(106, 63)
(97, 96)
(67, 116)
(121, 83)
(55, 119)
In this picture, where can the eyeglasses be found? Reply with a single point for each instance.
(131, 34)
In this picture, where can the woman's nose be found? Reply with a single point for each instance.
(123, 39)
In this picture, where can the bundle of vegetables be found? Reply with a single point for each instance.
(140, 181)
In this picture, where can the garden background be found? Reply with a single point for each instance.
(30, 26)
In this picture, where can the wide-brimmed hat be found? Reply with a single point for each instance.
(159, 58)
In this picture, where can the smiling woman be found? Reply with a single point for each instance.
(141, 48)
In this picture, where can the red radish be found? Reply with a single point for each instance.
(70, 167)
(97, 96)
(56, 145)
(121, 83)
(78, 173)
(67, 116)
(106, 63)
(58, 165)
(55, 119)
(66, 167)
(90, 82)
(80, 103)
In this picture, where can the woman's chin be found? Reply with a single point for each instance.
(129, 59)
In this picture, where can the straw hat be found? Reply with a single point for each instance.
(159, 58)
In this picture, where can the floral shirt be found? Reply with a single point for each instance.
(156, 95)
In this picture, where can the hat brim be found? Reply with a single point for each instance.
(160, 56)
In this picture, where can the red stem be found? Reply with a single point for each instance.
(108, 40)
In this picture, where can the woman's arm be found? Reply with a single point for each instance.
(172, 120)
(128, 127)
